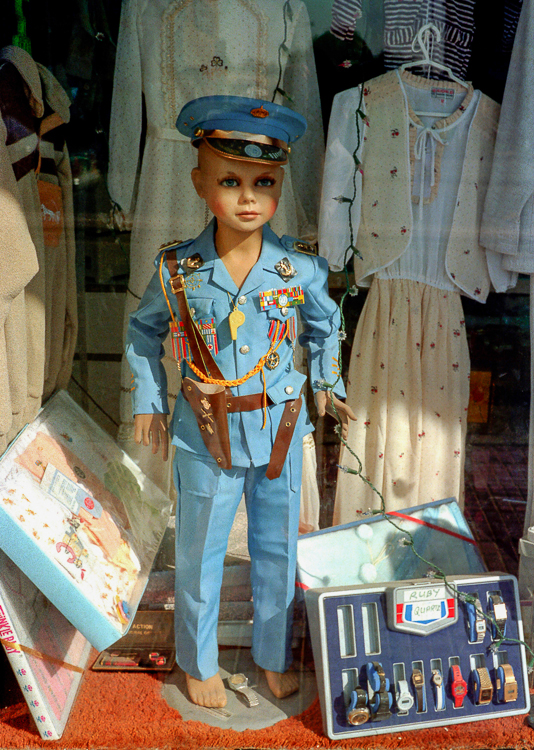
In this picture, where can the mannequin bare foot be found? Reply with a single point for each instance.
(282, 684)
(209, 693)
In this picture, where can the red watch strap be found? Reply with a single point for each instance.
(457, 680)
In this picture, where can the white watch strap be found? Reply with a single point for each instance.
(250, 695)
(439, 691)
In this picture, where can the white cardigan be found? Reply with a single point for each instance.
(508, 220)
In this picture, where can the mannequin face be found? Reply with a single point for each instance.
(242, 195)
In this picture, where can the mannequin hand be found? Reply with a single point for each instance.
(324, 404)
(152, 428)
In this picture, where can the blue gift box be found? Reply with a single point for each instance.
(80, 519)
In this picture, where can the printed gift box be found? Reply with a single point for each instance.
(80, 519)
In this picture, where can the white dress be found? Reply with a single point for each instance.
(169, 53)
(408, 379)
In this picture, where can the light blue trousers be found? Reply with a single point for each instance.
(208, 498)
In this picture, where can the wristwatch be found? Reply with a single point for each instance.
(376, 677)
(380, 705)
(483, 686)
(438, 686)
(403, 697)
(476, 620)
(358, 711)
(458, 686)
(419, 684)
(506, 684)
(497, 608)
(239, 683)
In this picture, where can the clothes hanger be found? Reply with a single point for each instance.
(424, 41)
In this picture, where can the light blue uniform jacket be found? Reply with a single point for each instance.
(214, 297)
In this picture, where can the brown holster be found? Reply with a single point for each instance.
(211, 403)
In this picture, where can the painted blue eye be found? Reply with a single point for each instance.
(230, 182)
(265, 182)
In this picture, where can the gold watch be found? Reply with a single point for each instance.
(483, 686)
(506, 684)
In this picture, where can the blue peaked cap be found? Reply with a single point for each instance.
(241, 114)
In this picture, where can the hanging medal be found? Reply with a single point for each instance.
(277, 333)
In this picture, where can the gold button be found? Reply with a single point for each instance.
(202, 427)
(219, 460)
(189, 388)
(229, 406)
(293, 409)
(288, 424)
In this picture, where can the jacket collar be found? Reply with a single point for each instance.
(260, 272)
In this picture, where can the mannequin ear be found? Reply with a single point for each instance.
(196, 177)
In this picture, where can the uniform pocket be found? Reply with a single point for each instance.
(201, 307)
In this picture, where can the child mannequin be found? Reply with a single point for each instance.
(244, 284)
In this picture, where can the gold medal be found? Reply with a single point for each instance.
(272, 361)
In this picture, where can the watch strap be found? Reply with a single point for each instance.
(439, 689)
(418, 682)
(244, 690)
(381, 705)
(376, 676)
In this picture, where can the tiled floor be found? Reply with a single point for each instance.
(495, 501)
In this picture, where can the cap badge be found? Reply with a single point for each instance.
(259, 112)
(193, 263)
(254, 151)
(285, 269)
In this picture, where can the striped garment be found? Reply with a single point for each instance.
(345, 13)
(455, 20)
(512, 11)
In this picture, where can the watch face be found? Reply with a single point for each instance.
(499, 611)
(459, 689)
(486, 695)
(404, 702)
(510, 692)
(358, 716)
(480, 626)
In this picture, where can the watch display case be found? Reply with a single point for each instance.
(406, 654)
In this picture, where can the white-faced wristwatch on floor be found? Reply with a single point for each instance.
(239, 683)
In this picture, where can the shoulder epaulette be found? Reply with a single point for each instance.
(299, 246)
(174, 245)
(167, 246)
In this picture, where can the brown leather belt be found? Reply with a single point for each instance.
(246, 403)
(214, 428)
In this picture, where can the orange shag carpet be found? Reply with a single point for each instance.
(126, 711)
